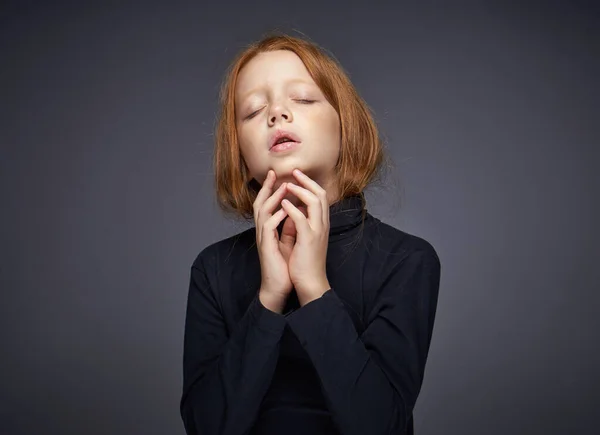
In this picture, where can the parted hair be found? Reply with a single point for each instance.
(362, 151)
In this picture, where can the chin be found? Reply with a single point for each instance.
(284, 170)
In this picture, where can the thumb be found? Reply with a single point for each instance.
(288, 234)
(288, 231)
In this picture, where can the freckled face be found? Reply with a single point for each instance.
(275, 91)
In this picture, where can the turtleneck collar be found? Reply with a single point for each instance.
(344, 216)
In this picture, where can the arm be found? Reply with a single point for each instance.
(371, 382)
(225, 377)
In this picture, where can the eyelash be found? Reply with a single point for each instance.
(303, 100)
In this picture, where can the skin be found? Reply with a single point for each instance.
(271, 89)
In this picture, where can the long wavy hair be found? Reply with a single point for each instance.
(362, 151)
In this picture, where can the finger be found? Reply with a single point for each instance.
(316, 189)
(314, 206)
(265, 191)
(270, 225)
(273, 201)
(263, 194)
(300, 221)
(266, 211)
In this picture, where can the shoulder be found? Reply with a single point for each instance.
(222, 251)
(401, 245)
(401, 265)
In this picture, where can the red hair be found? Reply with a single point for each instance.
(361, 153)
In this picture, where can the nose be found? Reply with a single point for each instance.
(279, 111)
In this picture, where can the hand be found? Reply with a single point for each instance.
(274, 254)
(307, 262)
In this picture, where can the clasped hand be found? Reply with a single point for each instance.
(307, 260)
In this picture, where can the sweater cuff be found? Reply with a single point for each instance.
(309, 322)
(265, 318)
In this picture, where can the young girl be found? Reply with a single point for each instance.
(318, 319)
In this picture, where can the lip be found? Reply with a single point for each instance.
(283, 147)
(278, 134)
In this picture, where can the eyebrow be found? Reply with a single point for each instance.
(251, 91)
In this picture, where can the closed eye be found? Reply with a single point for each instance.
(301, 100)
(253, 114)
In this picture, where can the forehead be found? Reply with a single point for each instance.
(273, 67)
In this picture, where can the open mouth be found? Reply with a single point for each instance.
(282, 139)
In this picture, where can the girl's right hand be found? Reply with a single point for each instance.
(276, 284)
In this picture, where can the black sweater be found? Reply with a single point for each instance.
(350, 362)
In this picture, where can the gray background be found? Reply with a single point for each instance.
(490, 112)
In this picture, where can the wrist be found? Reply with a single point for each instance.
(313, 292)
(271, 302)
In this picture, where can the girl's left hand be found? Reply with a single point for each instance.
(307, 261)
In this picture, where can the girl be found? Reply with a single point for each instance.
(318, 319)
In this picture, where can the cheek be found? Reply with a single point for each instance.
(250, 143)
(331, 124)
(327, 120)
(250, 135)
(244, 144)
(245, 140)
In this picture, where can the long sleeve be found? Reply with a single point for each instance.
(225, 376)
(371, 382)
